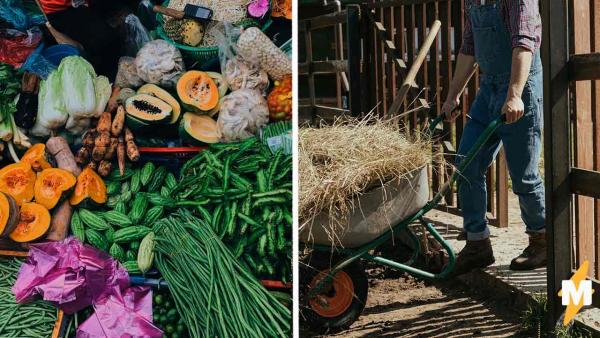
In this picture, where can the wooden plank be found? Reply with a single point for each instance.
(309, 59)
(557, 148)
(326, 20)
(386, 68)
(323, 67)
(390, 3)
(435, 82)
(446, 78)
(595, 32)
(390, 55)
(353, 45)
(584, 66)
(409, 13)
(585, 182)
(399, 40)
(583, 132)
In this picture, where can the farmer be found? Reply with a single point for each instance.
(503, 37)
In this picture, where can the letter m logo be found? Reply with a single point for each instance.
(572, 295)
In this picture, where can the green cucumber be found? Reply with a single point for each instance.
(117, 218)
(93, 220)
(117, 252)
(146, 173)
(77, 226)
(96, 239)
(130, 234)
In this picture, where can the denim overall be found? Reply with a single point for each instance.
(521, 139)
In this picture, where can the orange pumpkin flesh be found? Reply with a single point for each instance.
(9, 214)
(89, 185)
(18, 180)
(34, 222)
(36, 157)
(50, 185)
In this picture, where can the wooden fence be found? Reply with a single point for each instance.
(385, 42)
(571, 60)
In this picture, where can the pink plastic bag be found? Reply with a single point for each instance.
(75, 276)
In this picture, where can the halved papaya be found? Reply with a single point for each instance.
(154, 90)
(9, 214)
(90, 186)
(18, 180)
(34, 222)
(36, 157)
(197, 91)
(51, 184)
(148, 108)
(199, 129)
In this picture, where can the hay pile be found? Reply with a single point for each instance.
(339, 162)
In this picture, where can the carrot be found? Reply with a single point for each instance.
(132, 150)
(112, 148)
(118, 122)
(121, 155)
(104, 168)
(112, 101)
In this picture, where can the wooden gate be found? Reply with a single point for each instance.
(386, 38)
(572, 141)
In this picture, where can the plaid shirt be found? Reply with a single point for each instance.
(522, 19)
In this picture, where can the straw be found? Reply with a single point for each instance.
(339, 162)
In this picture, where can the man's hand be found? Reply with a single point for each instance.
(513, 108)
(449, 109)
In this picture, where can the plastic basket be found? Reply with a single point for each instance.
(197, 54)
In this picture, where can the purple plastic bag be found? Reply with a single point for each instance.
(75, 276)
(122, 314)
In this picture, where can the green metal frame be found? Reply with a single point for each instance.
(362, 252)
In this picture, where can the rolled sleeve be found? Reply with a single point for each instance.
(468, 46)
(524, 24)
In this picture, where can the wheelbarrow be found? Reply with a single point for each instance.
(334, 288)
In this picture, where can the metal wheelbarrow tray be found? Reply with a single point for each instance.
(333, 283)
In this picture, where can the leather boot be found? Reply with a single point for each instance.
(534, 256)
(475, 255)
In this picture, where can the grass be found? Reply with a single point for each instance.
(533, 321)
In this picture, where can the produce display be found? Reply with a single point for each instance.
(35, 319)
(174, 166)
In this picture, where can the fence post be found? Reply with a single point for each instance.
(353, 43)
(557, 150)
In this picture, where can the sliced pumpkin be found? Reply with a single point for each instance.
(18, 180)
(89, 186)
(34, 222)
(199, 129)
(51, 184)
(197, 91)
(154, 90)
(148, 108)
(220, 82)
(36, 157)
(9, 214)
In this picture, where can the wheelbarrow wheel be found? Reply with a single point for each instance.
(339, 303)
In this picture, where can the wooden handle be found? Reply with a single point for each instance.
(414, 68)
(168, 11)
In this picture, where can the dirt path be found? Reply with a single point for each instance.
(405, 307)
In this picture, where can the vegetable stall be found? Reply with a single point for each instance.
(162, 191)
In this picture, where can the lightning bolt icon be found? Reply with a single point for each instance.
(573, 308)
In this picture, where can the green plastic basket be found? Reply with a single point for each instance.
(196, 54)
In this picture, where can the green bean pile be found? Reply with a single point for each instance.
(33, 319)
(214, 294)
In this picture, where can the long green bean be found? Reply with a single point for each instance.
(215, 295)
(33, 319)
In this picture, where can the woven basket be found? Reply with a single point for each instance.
(195, 54)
